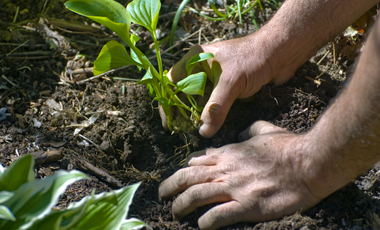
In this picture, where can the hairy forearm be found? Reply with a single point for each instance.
(346, 140)
(301, 27)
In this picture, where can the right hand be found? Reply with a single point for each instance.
(239, 69)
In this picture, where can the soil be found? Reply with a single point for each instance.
(42, 104)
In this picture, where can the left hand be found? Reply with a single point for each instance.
(263, 178)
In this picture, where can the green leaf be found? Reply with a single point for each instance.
(151, 91)
(163, 101)
(145, 13)
(5, 195)
(193, 84)
(6, 214)
(51, 222)
(106, 12)
(132, 224)
(112, 55)
(196, 59)
(107, 210)
(34, 200)
(134, 56)
(167, 80)
(148, 77)
(61, 219)
(20, 172)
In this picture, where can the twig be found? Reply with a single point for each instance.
(99, 173)
(100, 75)
(9, 81)
(15, 49)
(334, 52)
(324, 56)
(97, 146)
(83, 70)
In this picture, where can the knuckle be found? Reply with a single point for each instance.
(183, 176)
(194, 194)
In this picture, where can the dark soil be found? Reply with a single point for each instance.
(126, 143)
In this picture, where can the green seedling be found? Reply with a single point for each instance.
(113, 55)
(240, 8)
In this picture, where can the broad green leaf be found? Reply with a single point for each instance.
(6, 214)
(5, 195)
(34, 200)
(148, 77)
(133, 224)
(106, 12)
(62, 219)
(163, 101)
(52, 222)
(107, 210)
(151, 91)
(112, 55)
(134, 56)
(145, 13)
(193, 84)
(196, 59)
(18, 173)
(167, 80)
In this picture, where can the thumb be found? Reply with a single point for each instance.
(216, 110)
(259, 128)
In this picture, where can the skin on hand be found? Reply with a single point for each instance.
(229, 77)
(275, 172)
(240, 67)
(256, 180)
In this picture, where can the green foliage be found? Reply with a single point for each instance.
(27, 203)
(113, 55)
(240, 7)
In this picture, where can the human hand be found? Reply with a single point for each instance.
(263, 178)
(239, 69)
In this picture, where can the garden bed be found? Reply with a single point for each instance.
(46, 103)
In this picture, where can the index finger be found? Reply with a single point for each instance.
(184, 178)
(178, 72)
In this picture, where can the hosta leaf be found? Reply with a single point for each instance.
(193, 84)
(62, 219)
(5, 195)
(107, 12)
(163, 101)
(148, 77)
(6, 214)
(34, 200)
(134, 56)
(196, 59)
(20, 172)
(112, 55)
(107, 210)
(51, 222)
(132, 224)
(151, 91)
(145, 13)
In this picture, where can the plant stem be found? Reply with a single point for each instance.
(158, 53)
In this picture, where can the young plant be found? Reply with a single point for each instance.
(26, 203)
(230, 12)
(113, 55)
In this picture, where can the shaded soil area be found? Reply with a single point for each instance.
(111, 128)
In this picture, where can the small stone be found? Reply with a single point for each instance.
(105, 145)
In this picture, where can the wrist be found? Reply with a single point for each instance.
(330, 165)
